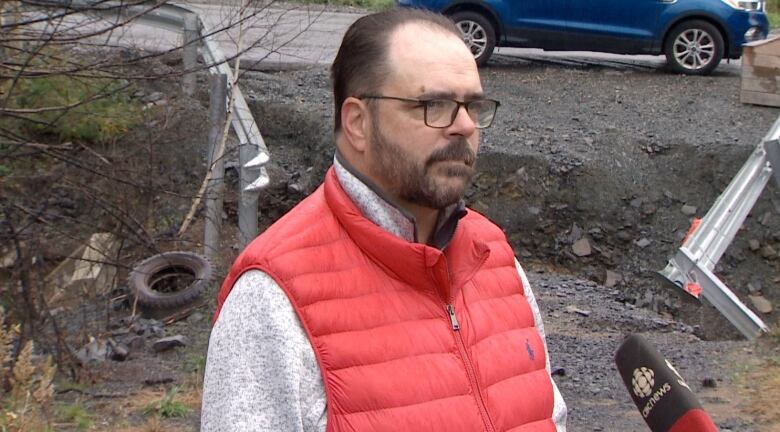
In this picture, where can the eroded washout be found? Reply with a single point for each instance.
(594, 174)
(622, 206)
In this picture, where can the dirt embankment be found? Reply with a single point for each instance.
(622, 159)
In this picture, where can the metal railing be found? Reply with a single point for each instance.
(253, 153)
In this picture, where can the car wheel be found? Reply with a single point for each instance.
(694, 48)
(478, 33)
(170, 280)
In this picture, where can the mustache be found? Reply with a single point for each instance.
(457, 150)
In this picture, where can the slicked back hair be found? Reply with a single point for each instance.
(361, 65)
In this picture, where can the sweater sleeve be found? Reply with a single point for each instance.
(559, 405)
(261, 371)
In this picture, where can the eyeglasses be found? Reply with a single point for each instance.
(441, 113)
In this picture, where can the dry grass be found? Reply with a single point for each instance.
(759, 383)
(27, 406)
(759, 387)
(153, 424)
(126, 414)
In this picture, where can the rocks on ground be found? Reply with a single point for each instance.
(130, 336)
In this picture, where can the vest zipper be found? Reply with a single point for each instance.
(469, 368)
(453, 318)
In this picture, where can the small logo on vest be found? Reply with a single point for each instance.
(531, 354)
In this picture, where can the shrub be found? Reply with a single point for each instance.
(76, 415)
(72, 108)
(368, 4)
(167, 406)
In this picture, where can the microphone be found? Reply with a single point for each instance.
(664, 399)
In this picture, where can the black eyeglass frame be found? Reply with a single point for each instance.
(424, 103)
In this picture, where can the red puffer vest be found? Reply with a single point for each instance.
(408, 337)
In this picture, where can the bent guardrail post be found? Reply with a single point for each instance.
(691, 269)
(190, 55)
(253, 153)
(215, 190)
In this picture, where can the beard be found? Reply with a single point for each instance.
(428, 183)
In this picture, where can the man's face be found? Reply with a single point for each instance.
(411, 161)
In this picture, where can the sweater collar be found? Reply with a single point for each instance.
(382, 210)
(429, 268)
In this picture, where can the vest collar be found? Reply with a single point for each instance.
(427, 267)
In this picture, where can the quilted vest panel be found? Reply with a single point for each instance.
(377, 310)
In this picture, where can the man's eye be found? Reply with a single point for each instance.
(439, 107)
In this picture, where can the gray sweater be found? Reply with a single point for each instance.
(261, 371)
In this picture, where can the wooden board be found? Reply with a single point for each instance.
(761, 72)
(761, 61)
(763, 85)
(769, 46)
(759, 98)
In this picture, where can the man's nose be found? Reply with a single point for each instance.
(463, 124)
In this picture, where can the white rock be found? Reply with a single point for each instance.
(642, 243)
(761, 304)
(578, 311)
(581, 247)
(612, 279)
(688, 210)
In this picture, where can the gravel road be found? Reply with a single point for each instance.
(609, 153)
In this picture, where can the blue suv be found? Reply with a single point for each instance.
(693, 34)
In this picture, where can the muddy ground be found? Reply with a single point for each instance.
(602, 154)
(599, 153)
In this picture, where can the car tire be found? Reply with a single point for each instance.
(170, 280)
(478, 33)
(694, 48)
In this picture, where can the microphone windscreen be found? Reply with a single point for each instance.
(664, 399)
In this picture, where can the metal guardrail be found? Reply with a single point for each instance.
(691, 269)
(253, 153)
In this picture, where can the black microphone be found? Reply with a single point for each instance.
(664, 399)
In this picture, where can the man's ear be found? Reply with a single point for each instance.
(355, 123)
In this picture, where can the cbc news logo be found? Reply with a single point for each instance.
(643, 381)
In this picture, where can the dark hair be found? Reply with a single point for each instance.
(361, 64)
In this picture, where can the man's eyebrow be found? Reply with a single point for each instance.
(450, 95)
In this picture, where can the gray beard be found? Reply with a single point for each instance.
(414, 183)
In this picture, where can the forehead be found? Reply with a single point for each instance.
(425, 59)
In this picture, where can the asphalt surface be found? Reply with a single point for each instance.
(285, 36)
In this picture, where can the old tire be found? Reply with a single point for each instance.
(694, 48)
(478, 34)
(170, 280)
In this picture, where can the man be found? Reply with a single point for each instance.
(380, 303)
